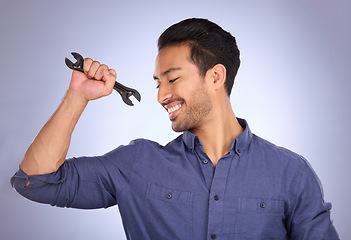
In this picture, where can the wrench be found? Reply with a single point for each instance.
(124, 91)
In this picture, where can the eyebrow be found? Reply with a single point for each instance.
(168, 71)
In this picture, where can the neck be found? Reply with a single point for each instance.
(218, 132)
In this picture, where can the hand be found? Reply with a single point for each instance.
(97, 80)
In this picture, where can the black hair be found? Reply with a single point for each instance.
(209, 45)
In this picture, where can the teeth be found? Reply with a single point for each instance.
(174, 108)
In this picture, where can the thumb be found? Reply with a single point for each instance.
(110, 78)
(108, 74)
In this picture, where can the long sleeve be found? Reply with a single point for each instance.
(84, 182)
(311, 214)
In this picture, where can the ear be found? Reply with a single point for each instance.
(218, 76)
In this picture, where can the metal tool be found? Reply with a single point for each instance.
(124, 91)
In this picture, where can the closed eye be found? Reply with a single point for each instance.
(173, 80)
(158, 82)
(170, 81)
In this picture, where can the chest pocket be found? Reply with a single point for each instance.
(260, 219)
(170, 212)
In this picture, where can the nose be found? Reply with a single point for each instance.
(164, 94)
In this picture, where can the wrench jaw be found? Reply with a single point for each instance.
(78, 65)
(137, 95)
(79, 59)
(126, 100)
(69, 63)
(134, 93)
(126, 93)
(126, 97)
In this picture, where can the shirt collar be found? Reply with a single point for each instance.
(191, 140)
(239, 145)
(242, 142)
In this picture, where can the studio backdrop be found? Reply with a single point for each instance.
(293, 87)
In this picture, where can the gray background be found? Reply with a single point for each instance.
(293, 88)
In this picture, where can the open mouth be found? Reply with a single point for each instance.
(174, 110)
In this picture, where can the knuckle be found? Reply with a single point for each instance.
(93, 69)
(96, 63)
(100, 71)
(103, 66)
(87, 64)
(88, 60)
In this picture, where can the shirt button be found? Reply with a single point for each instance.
(169, 195)
(213, 236)
(205, 161)
(216, 197)
(262, 205)
(239, 151)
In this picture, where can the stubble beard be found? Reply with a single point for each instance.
(196, 111)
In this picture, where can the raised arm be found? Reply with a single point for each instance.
(49, 148)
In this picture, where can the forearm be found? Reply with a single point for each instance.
(49, 148)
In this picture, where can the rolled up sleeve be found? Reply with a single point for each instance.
(84, 182)
(79, 183)
(311, 214)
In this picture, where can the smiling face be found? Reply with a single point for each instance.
(181, 89)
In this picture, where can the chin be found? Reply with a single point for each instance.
(180, 127)
(177, 127)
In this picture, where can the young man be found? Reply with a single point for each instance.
(215, 181)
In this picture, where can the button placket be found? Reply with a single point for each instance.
(217, 192)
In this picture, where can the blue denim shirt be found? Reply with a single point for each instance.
(256, 191)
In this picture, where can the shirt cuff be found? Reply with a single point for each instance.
(20, 178)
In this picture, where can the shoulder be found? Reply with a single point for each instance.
(144, 146)
(141, 142)
(290, 166)
(135, 146)
(277, 154)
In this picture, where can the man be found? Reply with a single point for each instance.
(215, 181)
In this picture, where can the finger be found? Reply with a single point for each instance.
(100, 72)
(93, 69)
(110, 79)
(113, 72)
(87, 64)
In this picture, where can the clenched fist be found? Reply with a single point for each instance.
(97, 80)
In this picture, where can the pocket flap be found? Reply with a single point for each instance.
(169, 194)
(261, 205)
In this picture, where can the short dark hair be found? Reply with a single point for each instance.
(209, 45)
